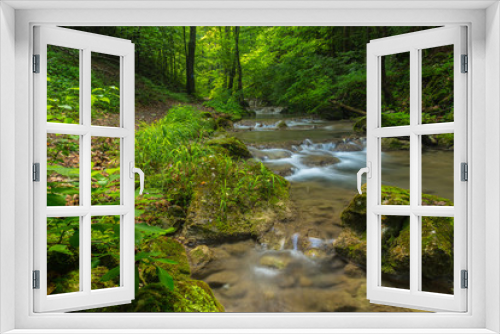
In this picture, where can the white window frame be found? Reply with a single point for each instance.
(86, 44)
(483, 20)
(413, 43)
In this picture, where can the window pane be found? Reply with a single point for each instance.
(395, 171)
(437, 170)
(63, 85)
(63, 259)
(437, 85)
(395, 89)
(395, 251)
(105, 90)
(105, 171)
(437, 254)
(63, 174)
(105, 252)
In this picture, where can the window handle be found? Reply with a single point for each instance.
(133, 171)
(368, 171)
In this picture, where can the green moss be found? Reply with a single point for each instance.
(196, 296)
(437, 236)
(394, 144)
(207, 114)
(188, 296)
(171, 249)
(70, 282)
(282, 125)
(233, 146)
(219, 212)
(223, 123)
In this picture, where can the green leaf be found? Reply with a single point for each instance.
(74, 240)
(95, 262)
(149, 229)
(103, 183)
(113, 273)
(55, 200)
(167, 261)
(138, 237)
(165, 278)
(65, 190)
(60, 249)
(170, 230)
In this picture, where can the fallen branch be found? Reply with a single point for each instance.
(345, 106)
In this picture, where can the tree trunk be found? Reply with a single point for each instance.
(386, 92)
(241, 98)
(190, 87)
(232, 62)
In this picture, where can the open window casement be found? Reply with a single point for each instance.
(415, 217)
(74, 227)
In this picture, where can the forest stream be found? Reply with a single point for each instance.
(302, 274)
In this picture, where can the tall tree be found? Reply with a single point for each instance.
(190, 87)
(241, 99)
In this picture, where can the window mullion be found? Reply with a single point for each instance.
(86, 169)
(415, 170)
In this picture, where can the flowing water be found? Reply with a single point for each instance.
(295, 269)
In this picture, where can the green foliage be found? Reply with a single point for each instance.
(226, 105)
(179, 160)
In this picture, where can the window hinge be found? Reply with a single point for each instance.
(36, 279)
(465, 279)
(464, 171)
(36, 63)
(36, 172)
(465, 63)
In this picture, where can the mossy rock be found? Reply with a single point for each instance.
(223, 123)
(187, 296)
(199, 257)
(170, 249)
(282, 125)
(233, 146)
(437, 236)
(207, 114)
(351, 246)
(395, 144)
(204, 224)
(360, 126)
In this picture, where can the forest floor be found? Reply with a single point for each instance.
(158, 109)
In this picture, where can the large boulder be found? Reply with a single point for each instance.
(437, 236)
(204, 223)
(248, 214)
(188, 296)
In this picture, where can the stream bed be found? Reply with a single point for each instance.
(298, 270)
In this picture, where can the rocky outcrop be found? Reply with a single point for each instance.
(239, 224)
(437, 236)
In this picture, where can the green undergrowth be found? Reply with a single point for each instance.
(180, 159)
